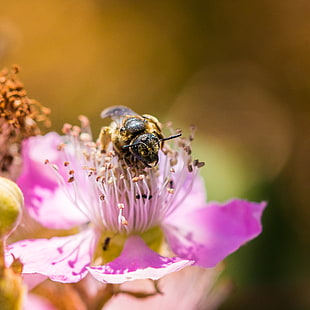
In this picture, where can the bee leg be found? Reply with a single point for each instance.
(105, 137)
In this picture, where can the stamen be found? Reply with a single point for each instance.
(170, 190)
(60, 147)
(135, 179)
(55, 167)
(66, 128)
(106, 243)
(187, 149)
(200, 164)
(190, 168)
(143, 197)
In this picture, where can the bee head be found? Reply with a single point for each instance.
(145, 148)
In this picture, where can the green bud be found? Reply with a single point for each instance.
(11, 203)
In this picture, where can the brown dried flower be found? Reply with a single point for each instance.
(19, 118)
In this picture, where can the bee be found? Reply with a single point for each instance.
(136, 138)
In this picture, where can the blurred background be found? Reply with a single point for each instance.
(239, 70)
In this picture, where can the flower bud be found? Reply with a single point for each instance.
(11, 203)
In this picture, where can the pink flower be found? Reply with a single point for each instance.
(123, 215)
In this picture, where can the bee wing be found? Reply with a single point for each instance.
(116, 112)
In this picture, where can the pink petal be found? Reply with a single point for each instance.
(52, 207)
(137, 261)
(33, 279)
(209, 234)
(191, 288)
(45, 200)
(62, 259)
(188, 201)
(35, 302)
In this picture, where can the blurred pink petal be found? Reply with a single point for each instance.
(190, 288)
(35, 302)
(33, 279)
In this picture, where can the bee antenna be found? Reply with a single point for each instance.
(171, 137)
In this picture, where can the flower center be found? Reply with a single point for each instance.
(120, 200)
